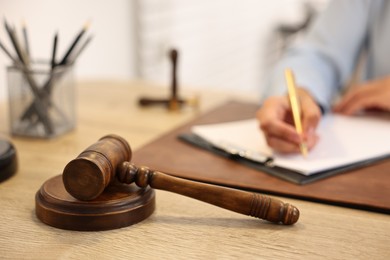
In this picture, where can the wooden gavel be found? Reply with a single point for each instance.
(94, 169)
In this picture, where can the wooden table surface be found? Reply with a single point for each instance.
(180, 227)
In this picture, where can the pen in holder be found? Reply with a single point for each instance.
(41, 95)
(41, 100)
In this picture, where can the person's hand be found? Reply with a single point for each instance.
(276, 122)
(371, 95)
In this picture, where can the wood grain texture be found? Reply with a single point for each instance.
(180, 227)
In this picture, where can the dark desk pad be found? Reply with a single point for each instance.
(366, 188)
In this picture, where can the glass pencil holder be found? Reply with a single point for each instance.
(41, 100)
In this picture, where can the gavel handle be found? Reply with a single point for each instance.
(248, 203)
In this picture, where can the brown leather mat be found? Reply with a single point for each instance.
(365, 188)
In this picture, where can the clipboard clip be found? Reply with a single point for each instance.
(236, 151)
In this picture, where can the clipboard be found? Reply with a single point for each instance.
(268, 167)
(346, 143)
(366, 187)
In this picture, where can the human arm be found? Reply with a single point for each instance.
(322, 64)
(373, 94)
(325, 58)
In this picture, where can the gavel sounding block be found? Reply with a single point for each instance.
(120, 205)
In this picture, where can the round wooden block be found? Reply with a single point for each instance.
(8, 161)
(120, 205)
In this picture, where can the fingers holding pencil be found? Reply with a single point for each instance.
(289, 122)
(278, 127)
(310, 111)
(306, 113)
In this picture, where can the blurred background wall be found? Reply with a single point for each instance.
(223, 44)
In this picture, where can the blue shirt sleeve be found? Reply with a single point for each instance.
(325, 59)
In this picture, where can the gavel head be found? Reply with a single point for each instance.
(88, 175)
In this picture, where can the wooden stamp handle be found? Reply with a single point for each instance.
(247, 203)
(173, 55)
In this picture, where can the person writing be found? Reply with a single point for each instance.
(323, 62)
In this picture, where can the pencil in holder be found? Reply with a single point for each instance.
(41, 100)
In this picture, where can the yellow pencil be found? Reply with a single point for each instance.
(295, 107)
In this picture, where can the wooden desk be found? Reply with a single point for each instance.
(180, 228)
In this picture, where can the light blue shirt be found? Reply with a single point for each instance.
(325, 59)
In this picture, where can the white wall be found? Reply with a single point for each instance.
(109, 54)
(223, 43)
